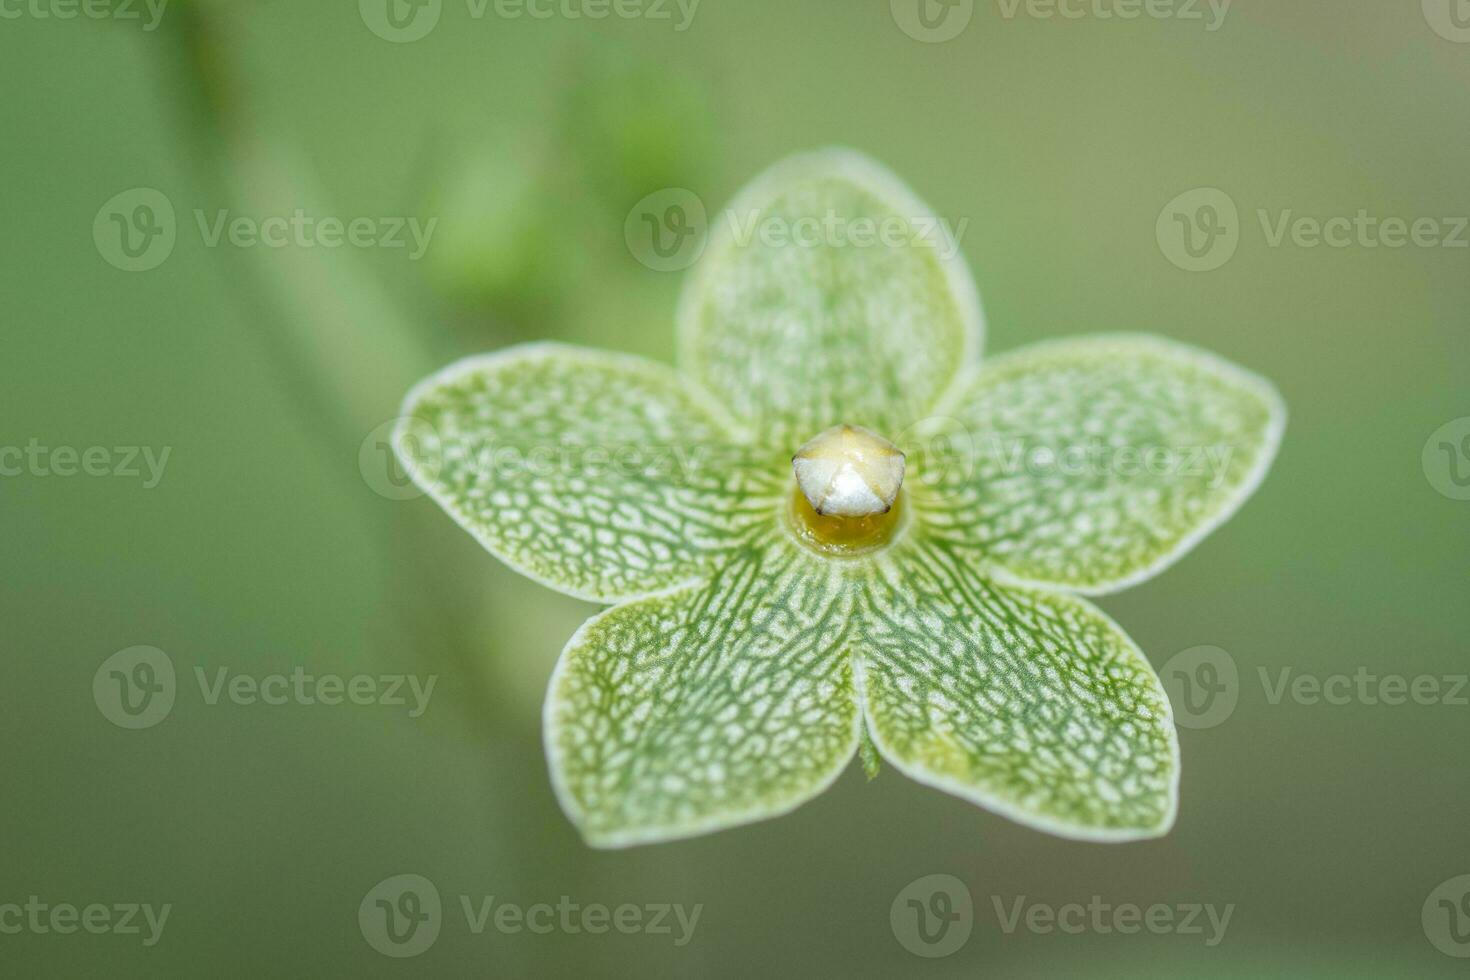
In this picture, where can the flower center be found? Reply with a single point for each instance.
(848, 483)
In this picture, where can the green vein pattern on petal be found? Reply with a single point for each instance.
(799, 317)
(1031, 704)
(708, 706)
(1093, 464)
(599, 475)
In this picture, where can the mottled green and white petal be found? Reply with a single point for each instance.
(1093, 464)
(603, 476)
(708, 706)
(1031, 704)
(829, 294)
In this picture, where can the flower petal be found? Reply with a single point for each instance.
(1031, 704)
(829, 294)
(707, 706)
(599, 475)
(1094, 464)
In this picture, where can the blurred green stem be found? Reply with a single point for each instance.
(348, 351)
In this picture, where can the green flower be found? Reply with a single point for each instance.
(762, 633)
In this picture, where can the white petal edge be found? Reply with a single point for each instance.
(624, 839)
(1270, 447)
(1015, 814)
(539, 350)
(864, 171)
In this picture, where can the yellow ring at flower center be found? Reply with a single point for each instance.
(843, 537)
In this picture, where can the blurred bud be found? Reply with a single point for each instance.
(496, 243)
(633, 126)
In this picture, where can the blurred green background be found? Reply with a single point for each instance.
(267, 546)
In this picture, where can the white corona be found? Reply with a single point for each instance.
(849, 471)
